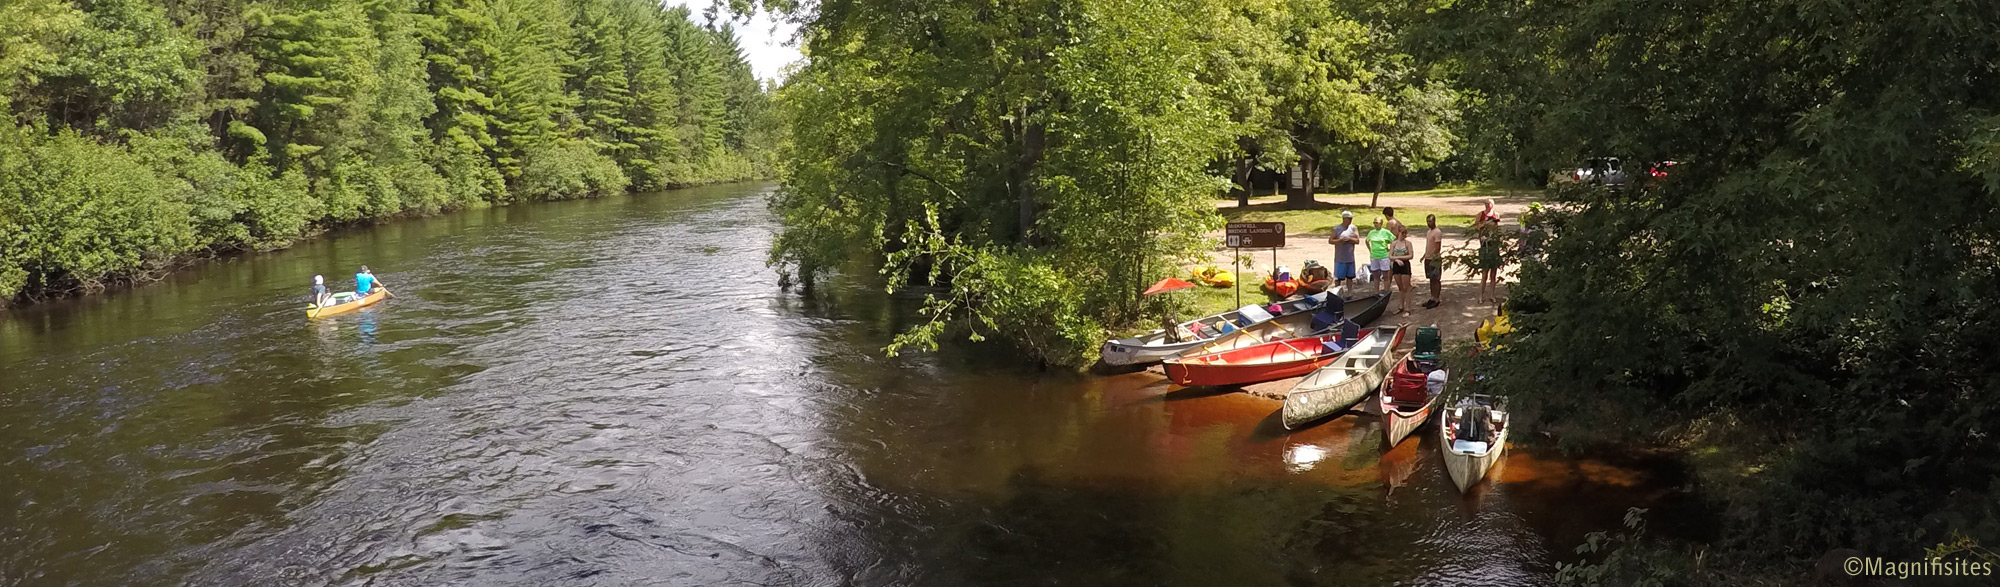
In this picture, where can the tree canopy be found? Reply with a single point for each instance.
(137, 132)
(1808, 296)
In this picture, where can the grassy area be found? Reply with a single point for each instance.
(1462, 190)
(1321, 218)
(1212, 300)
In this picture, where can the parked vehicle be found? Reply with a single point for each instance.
(1600, 171)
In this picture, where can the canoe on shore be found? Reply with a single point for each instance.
(1362, 311)
(345, 302)
(1344, 382)
(1153, 347)
(1412, 389)
(1473, 434)
(1273, 360)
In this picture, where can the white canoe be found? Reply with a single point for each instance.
(1344, 382)
(1468, 459)
(1401, 416)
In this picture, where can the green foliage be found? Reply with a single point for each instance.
(32, 32)
(228, 124)
(74, 209)
(126, 66)
(1787, 286)
(1039, 160)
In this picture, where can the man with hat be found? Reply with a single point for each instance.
(1343, 240)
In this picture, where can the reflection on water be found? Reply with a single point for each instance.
(614, 392)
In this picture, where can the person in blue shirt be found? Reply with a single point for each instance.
(365, 282)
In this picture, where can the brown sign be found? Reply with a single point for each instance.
(1254, 235)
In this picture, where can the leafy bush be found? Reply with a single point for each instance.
(77, 210)
(569, 170)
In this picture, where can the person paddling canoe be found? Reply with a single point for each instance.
(365, 282)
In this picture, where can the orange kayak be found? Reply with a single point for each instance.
(350, 303)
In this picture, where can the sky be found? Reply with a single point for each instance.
(763, 40)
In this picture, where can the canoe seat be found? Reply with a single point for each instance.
(1470, 446)
(1429, 344)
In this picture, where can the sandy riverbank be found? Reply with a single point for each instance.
(1461, 311)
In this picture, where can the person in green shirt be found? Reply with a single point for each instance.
(1378, 254)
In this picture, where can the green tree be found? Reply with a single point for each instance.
(1808, 297)
(1041, 160)
(224, 124)
(1419, 133)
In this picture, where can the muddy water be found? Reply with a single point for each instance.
(613, 392)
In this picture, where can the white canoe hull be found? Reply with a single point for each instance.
(1344, 382)
(1468, 468)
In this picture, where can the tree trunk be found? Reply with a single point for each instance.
(1243, 183)
(1300, 197)
(1379, 173)
(1033, 139)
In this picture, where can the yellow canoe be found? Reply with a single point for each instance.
(350, 305)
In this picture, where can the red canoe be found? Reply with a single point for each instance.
(1270, 361)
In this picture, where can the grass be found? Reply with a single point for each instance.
(1213, 300)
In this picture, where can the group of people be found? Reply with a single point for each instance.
(1391, 257)
(364, 282)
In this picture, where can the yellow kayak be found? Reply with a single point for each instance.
(347, 303)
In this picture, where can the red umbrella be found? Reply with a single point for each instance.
(1167, 285)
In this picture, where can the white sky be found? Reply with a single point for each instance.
(763, 40)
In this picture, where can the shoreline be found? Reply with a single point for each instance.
(112, 284)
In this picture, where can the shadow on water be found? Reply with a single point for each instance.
(616, 392)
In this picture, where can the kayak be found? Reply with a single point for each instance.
(345, 302)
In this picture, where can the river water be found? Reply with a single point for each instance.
(615, 392)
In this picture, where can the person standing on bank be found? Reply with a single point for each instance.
(1343, 240)
(1400, 255)
(1486, 227)
(1434, 261)
(1395, 226)
(1378, 254)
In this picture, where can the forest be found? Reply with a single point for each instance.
(1804, 309)
(141, 133)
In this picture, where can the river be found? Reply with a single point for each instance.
(615, 392)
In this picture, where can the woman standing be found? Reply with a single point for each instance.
(1400, 254)
(1487, 227)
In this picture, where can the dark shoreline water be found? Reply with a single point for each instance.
(614, 392)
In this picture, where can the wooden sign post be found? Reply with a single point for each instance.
(1252, 235)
